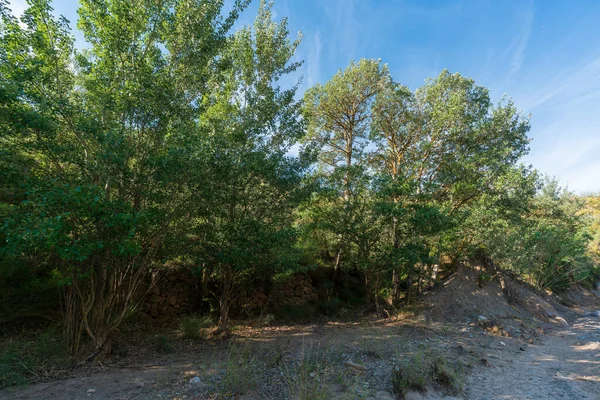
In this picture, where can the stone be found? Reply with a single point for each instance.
(91, 392)
(172, 300)
(195, 381)
(154, 310)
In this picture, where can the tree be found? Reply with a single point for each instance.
(438, 151)
(110, 131)
(245, 219)
(339, 115)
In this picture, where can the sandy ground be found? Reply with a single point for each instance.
(566, 366)
(356, 359)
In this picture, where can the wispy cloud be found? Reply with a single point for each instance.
(313, 61)
(572, 83)
(516, 50)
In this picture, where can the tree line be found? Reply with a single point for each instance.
(171, 137)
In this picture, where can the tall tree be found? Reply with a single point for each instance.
(339, 115)
(246, 217)
(110, 130)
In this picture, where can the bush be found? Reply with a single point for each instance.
(292, 312)
(411, 376)
(192, 326)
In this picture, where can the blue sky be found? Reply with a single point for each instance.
(545, 54)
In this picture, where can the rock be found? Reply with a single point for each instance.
(413, 396)
(483, 322)
(154, 310)
(195, 381)
(172, 300)
(91, 392)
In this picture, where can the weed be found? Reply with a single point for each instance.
(445, 374)
(162, 344)
(240, 367)
(410, 376)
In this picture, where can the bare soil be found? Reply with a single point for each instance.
(523, 351)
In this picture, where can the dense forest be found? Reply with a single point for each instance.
(172, 140)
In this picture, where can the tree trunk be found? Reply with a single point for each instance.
(225, 300)
(395, 268)
(223, 325)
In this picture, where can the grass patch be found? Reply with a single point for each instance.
(240, 369)
(307, 377)
(422, 370)
(162, 344)
(42, 357)
(192, 327)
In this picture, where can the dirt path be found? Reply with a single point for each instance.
(565, 366)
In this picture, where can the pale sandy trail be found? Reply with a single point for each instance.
(566, 366)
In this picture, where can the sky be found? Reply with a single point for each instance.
(544, 54)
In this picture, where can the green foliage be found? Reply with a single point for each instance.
(170, 137)
(547, 244)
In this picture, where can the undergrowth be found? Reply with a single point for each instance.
(40, 357)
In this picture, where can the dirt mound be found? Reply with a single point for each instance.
(498, 304)
(581, 299)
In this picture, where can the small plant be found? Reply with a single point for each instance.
(306, 378)
(444, 374)
(162, 344)
(421, 371)
(240, 366)
(192, 327)
(410, 376)
(483, 278)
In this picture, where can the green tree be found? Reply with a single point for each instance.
(245, 218)
(339, 116)
(110, 131)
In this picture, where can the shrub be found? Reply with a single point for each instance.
(192, 326)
